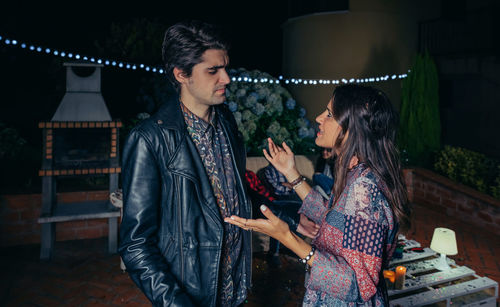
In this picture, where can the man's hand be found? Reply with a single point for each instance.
(307, 227)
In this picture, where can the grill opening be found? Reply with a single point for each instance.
(82, 148)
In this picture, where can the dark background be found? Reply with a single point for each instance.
(32, 84)
(253, 27)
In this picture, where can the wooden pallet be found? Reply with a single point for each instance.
(426, 286)
(409, 256)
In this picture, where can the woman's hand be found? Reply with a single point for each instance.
(307, 227)
(272, 226)
(282, 158)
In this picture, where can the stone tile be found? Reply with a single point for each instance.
(96, 303)
(82, 274)
(126, 297)
(99, 293)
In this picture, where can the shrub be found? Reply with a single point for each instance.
(470, 168)
(266, 109)
(495, 188)
(11, 143)
(419, 136)
(19, 162)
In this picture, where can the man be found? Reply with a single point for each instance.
(183, 172)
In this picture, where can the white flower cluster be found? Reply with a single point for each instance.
(266, 110)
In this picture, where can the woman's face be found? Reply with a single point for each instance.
(329, 129)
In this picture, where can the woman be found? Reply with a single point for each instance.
(360, 221)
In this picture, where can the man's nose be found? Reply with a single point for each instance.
(224, 78)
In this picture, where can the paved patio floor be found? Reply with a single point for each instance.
(81, 273)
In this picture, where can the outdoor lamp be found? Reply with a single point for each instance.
(445, 243)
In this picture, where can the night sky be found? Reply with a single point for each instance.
(253, 27)
(253, 30)
(32, 84)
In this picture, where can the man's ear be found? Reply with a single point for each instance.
(180, 75)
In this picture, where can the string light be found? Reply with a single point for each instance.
(132, 66)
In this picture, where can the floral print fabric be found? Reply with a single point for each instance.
(356, 239)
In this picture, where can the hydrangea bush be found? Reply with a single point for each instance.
(265, 109)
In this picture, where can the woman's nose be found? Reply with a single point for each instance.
(319, 118)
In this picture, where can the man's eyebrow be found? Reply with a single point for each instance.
(217, 67)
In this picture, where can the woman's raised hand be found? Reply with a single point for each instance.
(282, 158)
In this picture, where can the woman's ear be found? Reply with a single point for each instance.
(180, 75)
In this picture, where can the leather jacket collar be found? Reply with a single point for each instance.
(170, 116)
(185, 161)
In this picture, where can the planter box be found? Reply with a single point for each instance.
(441, 194)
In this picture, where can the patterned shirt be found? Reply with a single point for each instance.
(213, 148)
(276, 180)
(355, 241)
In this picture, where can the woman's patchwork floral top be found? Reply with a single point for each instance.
(355, 241)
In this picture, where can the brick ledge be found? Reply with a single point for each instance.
(455, 185)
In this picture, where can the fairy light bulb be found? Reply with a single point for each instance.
(293, 80)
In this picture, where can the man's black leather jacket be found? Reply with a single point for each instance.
(171, 231)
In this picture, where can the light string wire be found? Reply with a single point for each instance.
(148, 68)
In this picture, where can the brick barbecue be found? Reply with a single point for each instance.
(81, 139)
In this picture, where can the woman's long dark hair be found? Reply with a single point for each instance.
(369, 124)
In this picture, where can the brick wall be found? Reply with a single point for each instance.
(440, 194)
(19, 213)
(19, 219)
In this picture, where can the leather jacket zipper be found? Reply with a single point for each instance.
(181, 245)
(219, 252)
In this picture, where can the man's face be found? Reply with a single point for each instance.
(326, 153)
(208, 80)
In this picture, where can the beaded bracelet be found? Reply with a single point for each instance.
(297, 185)
(308, 257)
(299, 179)
(297, 182)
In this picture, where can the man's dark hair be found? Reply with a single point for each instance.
(184, 44)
